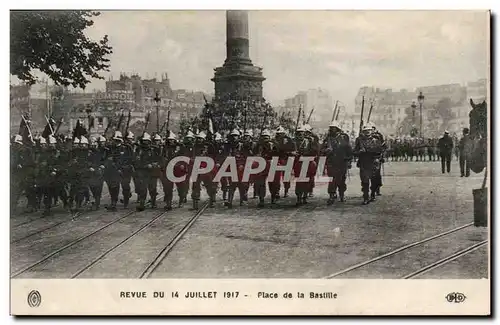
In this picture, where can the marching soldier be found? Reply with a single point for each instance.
(285, 148)
(381, 141)
(127, 170)
(230, 148)
(146, 161)
(368, 149)
(445, 145)
(235, 149)
(182, 168)
(97, 158)
(464, 148)
(264, 148)
(203, 148)
(21, 165)
(337, 148)
(304, 145)
(314, 150)
(113, 168)
(169, 152)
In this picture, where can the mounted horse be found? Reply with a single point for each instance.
(478, 144)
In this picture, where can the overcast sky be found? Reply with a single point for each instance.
(336, 50)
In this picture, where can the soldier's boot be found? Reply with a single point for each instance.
(168, 205)
(331, 199)
(286, 193)
(299, 201)
(153, 201)
(261, 202)
(97, 202)
(142, 205)
(211, 203)
(372, 196)
(181, 202)
(112, 207)
(195, 205)
(304, 198)
(224, 196)
(126, 200)
(341, 197)
(378, 191)
(230, 198)
(366, 198)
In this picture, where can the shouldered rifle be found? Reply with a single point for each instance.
(309, 117)
(147, 123)
(128, 122)
(334, 111)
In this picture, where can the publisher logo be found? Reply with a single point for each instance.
(455, 297)
(34, 299)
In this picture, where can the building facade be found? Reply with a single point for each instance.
(317, 99)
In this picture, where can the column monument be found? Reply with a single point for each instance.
(238, 76)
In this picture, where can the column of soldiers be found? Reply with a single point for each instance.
(73, 170)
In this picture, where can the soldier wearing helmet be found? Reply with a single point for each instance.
(144, 166)
(181, 169)
(368, 149)
(265, 148)
(381, 157)
(97, 161)
(19, 156)
(203, 147)
(285, 147)
(338, 151)
(115, 159)
(304, 147)
(170, 150)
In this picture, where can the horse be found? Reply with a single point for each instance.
(478, 144)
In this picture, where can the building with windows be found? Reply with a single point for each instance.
(317, 99)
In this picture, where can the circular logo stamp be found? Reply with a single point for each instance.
(34, 298)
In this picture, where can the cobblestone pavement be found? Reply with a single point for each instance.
(279, 241)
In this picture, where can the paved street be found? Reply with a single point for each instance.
(281, 241)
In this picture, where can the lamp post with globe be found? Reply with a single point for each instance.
(420, 99)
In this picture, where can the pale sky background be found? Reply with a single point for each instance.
(339, 51)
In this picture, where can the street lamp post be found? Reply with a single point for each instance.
(421, 98)
(157, 101)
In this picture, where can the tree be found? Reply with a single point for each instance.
(54, 43)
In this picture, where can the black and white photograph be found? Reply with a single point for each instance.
(249, 144)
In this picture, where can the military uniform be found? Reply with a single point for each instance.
(338, 151)
(304, 147)
(445, 145)
(169, 152)
(368, 149)
(202, 148)
(146, 177)
(464, 148)
(97, 157)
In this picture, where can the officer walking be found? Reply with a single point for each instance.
(463, 147)
(445, 145)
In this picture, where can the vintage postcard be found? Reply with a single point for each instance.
(250, 162)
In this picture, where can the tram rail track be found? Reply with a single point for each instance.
(70, 244)
(397, 251)
(122, 242)
(160, 257)
(446, 260)
(72, 217)
(42, 216)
